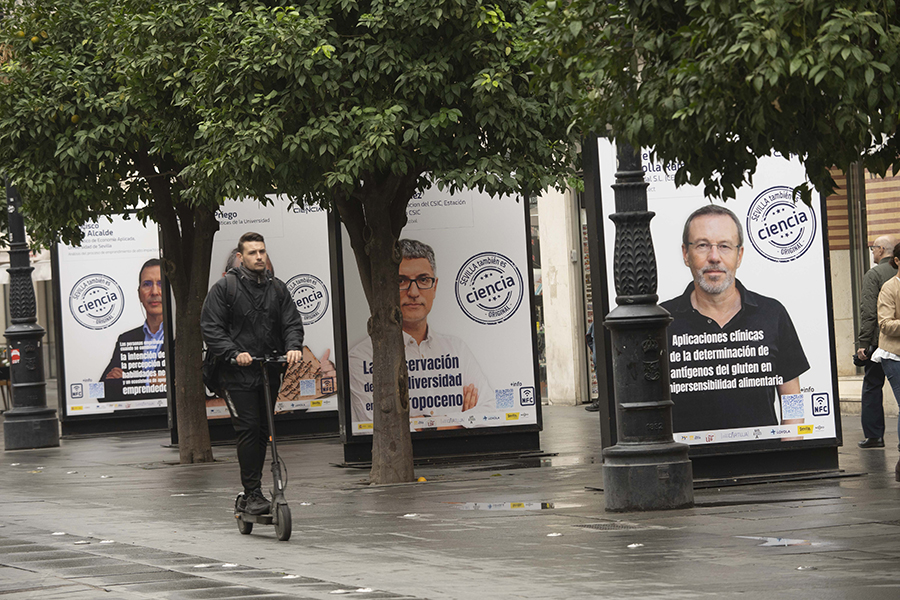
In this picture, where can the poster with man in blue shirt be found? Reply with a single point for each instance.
(137, 368)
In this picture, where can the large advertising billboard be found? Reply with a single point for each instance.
(112, 319)
(297, 245)
(750, 347)
(466, 305)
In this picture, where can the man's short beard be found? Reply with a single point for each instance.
(715, 288)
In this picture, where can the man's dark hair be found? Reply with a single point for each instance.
(416, 249)
(250, 236)
(153, 262)
(712, 209)
(232, 257)
(896, 260)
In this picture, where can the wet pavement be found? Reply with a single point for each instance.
(117, 517)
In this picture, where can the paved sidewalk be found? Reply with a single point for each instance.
(117, 517)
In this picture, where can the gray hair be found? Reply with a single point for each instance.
(712, 209)
(416, 249)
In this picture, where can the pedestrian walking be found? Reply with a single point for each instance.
(592, 348)
(888, 352)
(872, 399)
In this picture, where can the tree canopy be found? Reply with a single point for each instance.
(110, 104)
(713, 85)
(91, 126)
(325, 94)
(361, 104)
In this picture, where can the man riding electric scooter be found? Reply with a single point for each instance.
(246, 315)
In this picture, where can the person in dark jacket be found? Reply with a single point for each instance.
(872, 396)
(592, 347)
(259, 321)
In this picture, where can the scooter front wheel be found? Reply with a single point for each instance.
(282, 522)
(244, 527)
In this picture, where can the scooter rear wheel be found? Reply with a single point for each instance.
(283, 522)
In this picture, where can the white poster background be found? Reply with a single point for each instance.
(799, 284)
(461, 227)
(112, 252)
(297, 244)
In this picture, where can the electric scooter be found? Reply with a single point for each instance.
(280, 513)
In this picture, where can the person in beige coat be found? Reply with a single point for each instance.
(888, 352)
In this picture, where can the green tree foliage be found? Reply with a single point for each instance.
(91, 125)
(715, 84)
(361, 104)
(352, 105)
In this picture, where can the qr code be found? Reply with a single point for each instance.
(97, 390)
(792, 406)
(307, 387)
(504, 398)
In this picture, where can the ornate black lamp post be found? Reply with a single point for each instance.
(30, 423)
(646, 469)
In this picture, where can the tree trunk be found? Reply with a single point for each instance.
(187, 237)
(374, 216)
(187, 268)
(190, 406)
(392, 459)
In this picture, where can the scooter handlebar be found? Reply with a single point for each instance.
(263, 359)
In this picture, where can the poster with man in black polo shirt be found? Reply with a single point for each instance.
(750, 347)
(734, 352)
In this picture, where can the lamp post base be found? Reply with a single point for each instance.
(24, 429)
(654, 476)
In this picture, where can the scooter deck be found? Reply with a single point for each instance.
(262, 519)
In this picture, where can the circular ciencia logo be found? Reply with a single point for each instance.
(780, 226)
(489, 288)
(96, 301)
(310, 296)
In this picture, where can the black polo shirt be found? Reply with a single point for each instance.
(725, 377)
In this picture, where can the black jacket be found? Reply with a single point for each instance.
(868, 303)
(261, 321)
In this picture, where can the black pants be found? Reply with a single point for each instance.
(248, 417)
(872, 401)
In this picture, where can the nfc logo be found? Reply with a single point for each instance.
(821, 406)
(526, 396)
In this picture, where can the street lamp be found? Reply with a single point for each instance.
(29, 423)
(646, 469)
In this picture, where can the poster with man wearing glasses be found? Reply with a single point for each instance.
(466, 318)
(733, 342)
(137, 368)
(111, 319)
(750, 353)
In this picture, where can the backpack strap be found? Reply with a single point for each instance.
(230, 289)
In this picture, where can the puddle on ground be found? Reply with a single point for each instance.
(504, 505)
(781, 542)
(536, 462)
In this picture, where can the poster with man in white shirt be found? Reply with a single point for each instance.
(467, 318)
(444, 376)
